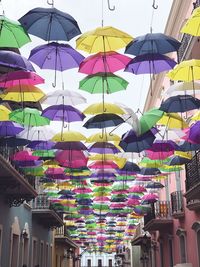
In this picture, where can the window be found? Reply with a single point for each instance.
(89, 263)
(25, 251)
(15, 250)
(196, 228)
(171, 261)
(99, 263)
(41, 253)
(34, 252)
(161, 255)
(47, 255)
(110, 263)
(182, 244)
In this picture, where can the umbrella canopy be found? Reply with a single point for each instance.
(193, 134)
(187, 146)
(99, 108)
(17, 78)
(24, 156)
(103, 148)
(177, 160)
(70, 146)
(150, 63)
(186, 71)
(12, 33)
(22, 93)
(4, 113)
(103, 120)
(9, 128)
(13, 142)
(63, 113)
(103, 62)
(173, 121)
(129, 168)
(64, 97)
(69, 136)
(154, 185)
(39, 134)
(186, 87)
(72, 159)
(105, 137)
(50, 24)
(180, 103)
(14, 61)
(103, 83)
(152, 43)
(103, 39)
(149, 119)
(55, 56)
(192, 24)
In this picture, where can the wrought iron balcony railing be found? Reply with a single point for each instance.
(193, 172)
(62, 232)
(159, 210)
(177, 203)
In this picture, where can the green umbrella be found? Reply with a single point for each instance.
(102, 189)
(103, 83)
(119, 187)
(125, 178)
(12, 34)
(100, 207)
(44, 153)
(150, 163)
(149, 119)
(28, 117)
(36, 171)
(85, 196)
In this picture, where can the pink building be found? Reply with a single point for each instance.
(174, 221)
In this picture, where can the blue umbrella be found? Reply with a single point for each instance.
(187, 146)
(50, 24)
(103, 120)
(129, 168)
(154, 185)
(150, 171)
(152, 43)
(38, 145)
(177, 160)
(13, 142)
(180, 103)
(9, 128)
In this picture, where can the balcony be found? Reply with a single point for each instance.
(44, 213)
(192, 183)
(14, 187)
(177, 205)
(159, 217)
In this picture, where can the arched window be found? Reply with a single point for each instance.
(196, 228)
(181, 233)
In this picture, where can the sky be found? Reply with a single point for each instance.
(131, 16)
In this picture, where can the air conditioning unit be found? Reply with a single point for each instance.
(183, 265)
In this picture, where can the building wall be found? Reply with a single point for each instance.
(94, 257)
(13, 221)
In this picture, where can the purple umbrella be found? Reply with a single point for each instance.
(103, 148)
(41, 145)
(129, 168)
(31, 163)
(194, 133)
(70, 146)
(12, 60)
(55, 56)
(150, 63)
(63, 113)
(9, 128)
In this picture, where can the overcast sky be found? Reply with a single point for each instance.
(131, 16)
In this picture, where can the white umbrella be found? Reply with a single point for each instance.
(165, 134)
(65, 97)
(186, 87)
(41, 133)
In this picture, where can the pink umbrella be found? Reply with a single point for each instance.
(132, 202)
(107, 164)
(137, 189)
(117, 205)
(101, 199)
(159, 155)
(24, 156)
(54, 171)
(82, 190)
(104, 62)
(72, 159)
(20, 77)
(149, 198)
(116, 192)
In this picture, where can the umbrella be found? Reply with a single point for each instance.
(105, 137)
(71, 145)
(149, 119)
(132, 143)
(13, 142)
(150, 171)
(72, 159)
(104, 107)
(192, 24)
(4, 113)
(28, 117)
(129, 168)
(23, 93)
(103, 120)
(103, 83)
(17, 78)
(12, 60)
(108, 164)
(24, 156)
(103, 62)
(50, 24)
(63, 113)
(12, 33)
(64, 97)
(69, 136)
(150, 63)
(154, 185)
(183, 86)
(194, 133)
(173, 121)
(176, 160)
(39, 134)
(55, 56)
(180, 103)
(9, 128)
(103, 148)
(157, 43)
(103, 39)
(149, 198)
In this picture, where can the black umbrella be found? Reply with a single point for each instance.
(103, 120)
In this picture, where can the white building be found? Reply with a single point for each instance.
(98, 260)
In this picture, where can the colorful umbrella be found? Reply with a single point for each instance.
(103, 120)
(192, 24)
(149, 119)
(103, 83)
(69, 136)
(4, 113)
(173, 121)
(105, 137)
(50, 24)
(9, 128)
(103, 148)
(99, 108)
(103, 39)
(156, 43)
(103, 62)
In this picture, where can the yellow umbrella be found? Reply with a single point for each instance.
(65, 185)
(196, 116)
(119, 161)
(23, 93)
(99, 108)
(105, 137)
(69, 136)
(4, 113)
(187, 71)
(51, 163)
(103, 39)
(192, 26)
(182, 154)
(173, 121)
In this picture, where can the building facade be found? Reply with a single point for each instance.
(170, 236)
